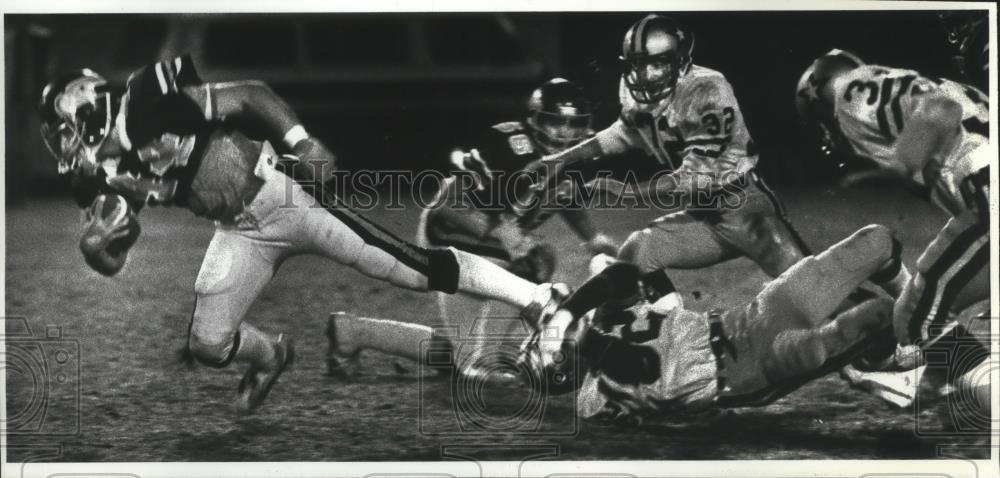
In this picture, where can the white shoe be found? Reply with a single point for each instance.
(898, 389)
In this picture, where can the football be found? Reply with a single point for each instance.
(114, 206)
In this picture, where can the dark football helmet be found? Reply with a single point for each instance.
(559, 115)
(77, 114)
(656, 53)
(813, 96)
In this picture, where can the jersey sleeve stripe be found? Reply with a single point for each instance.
(880, 113)
(160, 78)
(697, 141)
(209, 107)
(897, 110)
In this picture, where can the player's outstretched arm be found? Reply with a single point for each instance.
(255, 103)
(613, 140)
(931, 130)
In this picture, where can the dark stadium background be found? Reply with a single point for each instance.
(396, 91)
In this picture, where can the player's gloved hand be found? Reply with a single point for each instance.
(315, 161)
(511, 237)
(602, 244)
(537, 266)
(98, 231)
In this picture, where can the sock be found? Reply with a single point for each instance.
(255, 347)
(388, 336)
(894, 287)
(481, 277)
(893, 277)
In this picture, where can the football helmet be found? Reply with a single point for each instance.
(656, 53)
(559, 115)
(77, 114)
(814, 98)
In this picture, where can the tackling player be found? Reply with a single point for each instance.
(171, 139)
(654, 357)
(477, 213)
(932, 135)
(686, 117)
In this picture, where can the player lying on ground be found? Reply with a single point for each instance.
(477, 213)
(932, 135)
(171, 139)
(654, 357)
(644, 354)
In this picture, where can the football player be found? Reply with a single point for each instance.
(171, 139)
(686, 118)
(655, 357)
(476, 211)
(932, 135)
(968, 31)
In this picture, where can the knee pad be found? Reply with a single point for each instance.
(216, 355)
(879, 237)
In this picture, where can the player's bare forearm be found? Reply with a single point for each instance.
(930, 134)
(255, 103)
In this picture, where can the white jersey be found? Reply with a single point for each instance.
(872, 105)
(698, 127)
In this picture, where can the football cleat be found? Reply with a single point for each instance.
(338, 363)
(257, 382)
(895, 388)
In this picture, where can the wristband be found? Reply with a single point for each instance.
(294, 135)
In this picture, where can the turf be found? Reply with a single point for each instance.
(136, 402)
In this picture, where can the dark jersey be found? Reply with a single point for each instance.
(506, 149)
(168, 135)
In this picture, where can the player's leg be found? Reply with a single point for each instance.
(679, 240)
(347, 237)
(759, 229)
(348, 335)
(798, 351)
(951, 274)
(235, 269)
(232, 274)
(815, 287)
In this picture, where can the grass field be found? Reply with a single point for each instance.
(138, 403)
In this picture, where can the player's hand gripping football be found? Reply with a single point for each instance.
(100, 229)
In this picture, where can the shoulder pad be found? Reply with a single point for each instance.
(165, 77)
(508, 126)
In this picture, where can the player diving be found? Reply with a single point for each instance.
(171, 139)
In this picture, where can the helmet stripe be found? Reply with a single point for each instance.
(638, 47)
